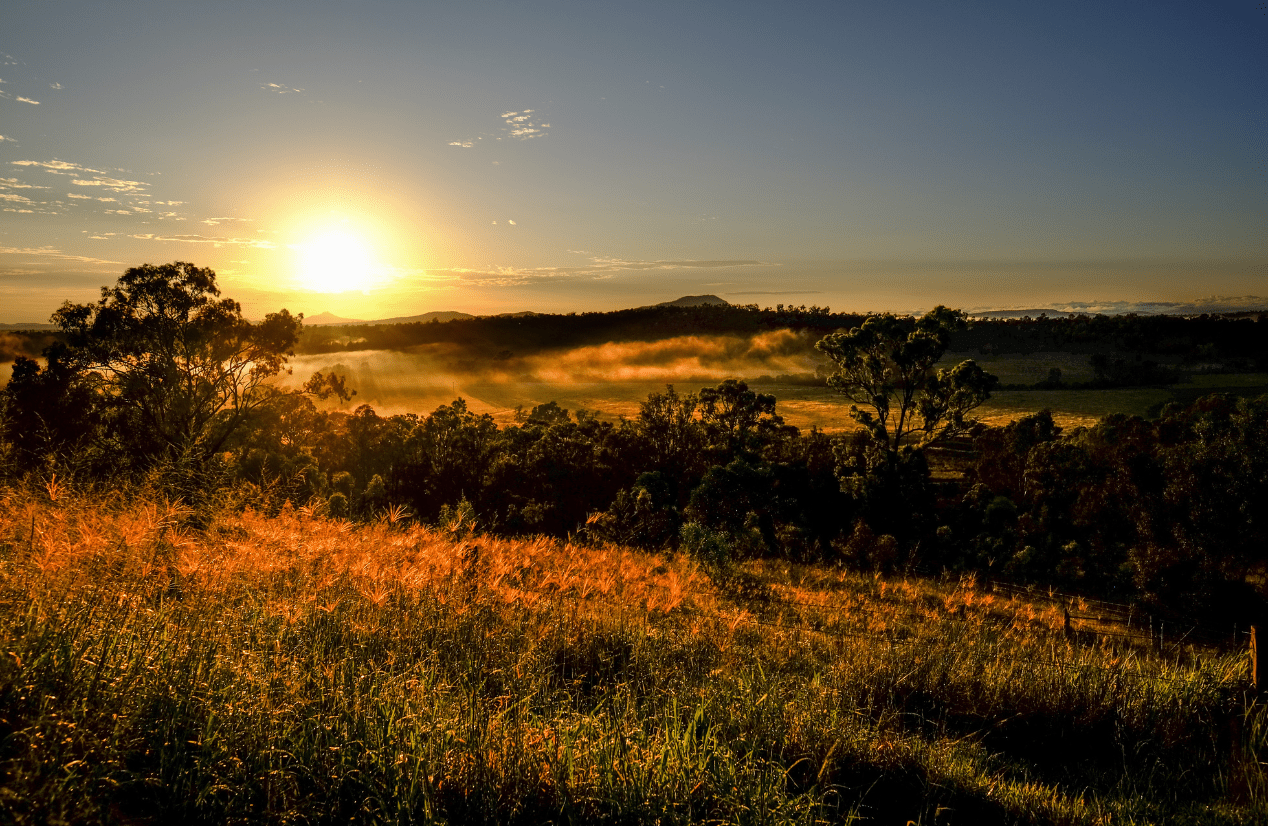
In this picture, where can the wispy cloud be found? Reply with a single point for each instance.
(523, 126)
(7, 139)
(112, 183)
(53, 254)
(777, 292)
(520, 125)
(619, 264)
(10, 95)
(93, 185)
(417, 275)
(15, 183)
(214, 240)
(117, 199)
(598, 269)
(60, 167)
(281, 89)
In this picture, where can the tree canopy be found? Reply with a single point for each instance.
(890, 366)
(173, 365)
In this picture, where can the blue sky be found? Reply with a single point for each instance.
(563, 156)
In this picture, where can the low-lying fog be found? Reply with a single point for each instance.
(612, 378)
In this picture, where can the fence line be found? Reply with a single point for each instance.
(574, 596)
(1013, 592)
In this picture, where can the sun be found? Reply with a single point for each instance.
(335, 261)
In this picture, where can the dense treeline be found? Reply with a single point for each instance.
(536, 332)
(1123, 350)
(164, 380)
(1169, 511)
(1235, 341)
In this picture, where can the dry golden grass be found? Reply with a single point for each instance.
(296, 667)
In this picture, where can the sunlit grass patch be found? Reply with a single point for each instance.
(296, 667)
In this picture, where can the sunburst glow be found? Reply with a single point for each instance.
(335, 261)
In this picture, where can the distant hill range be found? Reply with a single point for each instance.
(1020, 313)
(31, 326)
(328, 319)
(690, 301)
(1246, 305)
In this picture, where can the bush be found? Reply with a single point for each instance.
(459, 521)
(709, 546)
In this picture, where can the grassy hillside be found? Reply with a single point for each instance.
(294, 668)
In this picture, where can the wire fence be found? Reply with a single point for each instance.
(744, 616)
(1134, 623)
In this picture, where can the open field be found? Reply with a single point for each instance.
(1018, 368)
(300, 669)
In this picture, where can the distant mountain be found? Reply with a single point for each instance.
(691, 301)
(30, 326)
(328, 319)
(332, 320)
(1215, 305)
(439, 315)
(1019, 313)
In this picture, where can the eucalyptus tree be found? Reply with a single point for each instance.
(179, 366)
(890, 366)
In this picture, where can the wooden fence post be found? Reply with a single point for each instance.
(1257, 672)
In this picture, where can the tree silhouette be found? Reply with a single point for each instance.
(179, 364)
(889, 366)
(49, 412)
(733, 412)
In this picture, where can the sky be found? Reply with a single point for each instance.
(379, 159)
